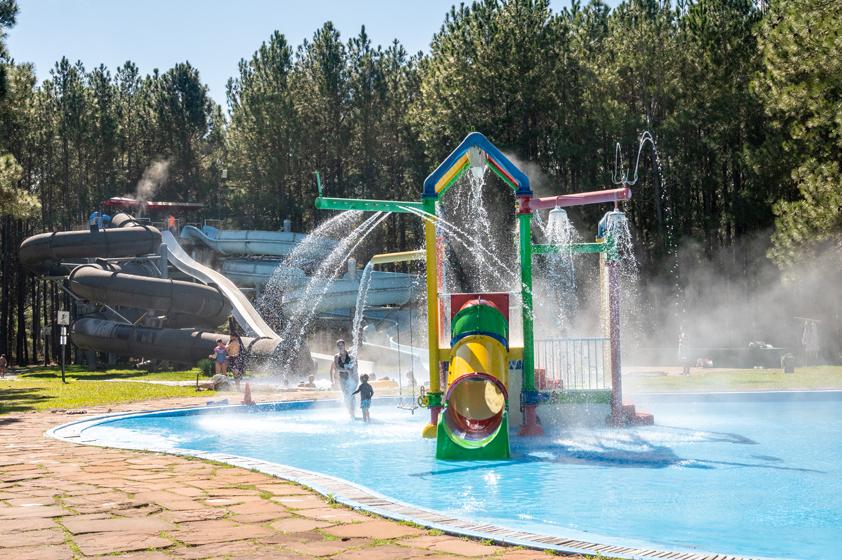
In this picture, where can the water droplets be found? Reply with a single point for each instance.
(560, 267)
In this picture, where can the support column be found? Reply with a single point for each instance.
(529, 395)
(613, 273)
(163, 260)
(434, 395)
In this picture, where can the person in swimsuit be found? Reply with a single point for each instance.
(219, 357)
(235, 357)
(343, 372)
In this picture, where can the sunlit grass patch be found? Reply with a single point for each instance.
(41, 388)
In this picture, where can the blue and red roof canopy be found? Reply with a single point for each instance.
(458, 161)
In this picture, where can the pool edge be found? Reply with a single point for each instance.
(361, 498)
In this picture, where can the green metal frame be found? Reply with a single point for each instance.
(397, 206)
(525, 231)
(503, 177)
(362, 204)
(577, 396)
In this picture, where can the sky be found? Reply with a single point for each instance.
(213, 35)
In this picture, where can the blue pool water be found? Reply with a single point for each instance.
(745, 474)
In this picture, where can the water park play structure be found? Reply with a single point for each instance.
(478, 381)
(476, 395)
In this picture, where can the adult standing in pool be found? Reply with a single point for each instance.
(343, 371)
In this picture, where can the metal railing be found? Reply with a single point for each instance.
(572, 363)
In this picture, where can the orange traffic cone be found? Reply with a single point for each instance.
(247, 395)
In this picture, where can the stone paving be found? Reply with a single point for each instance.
(63, 501)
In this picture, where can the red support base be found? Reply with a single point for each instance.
(530, 426)
(629, 416)
(434, 415)
(247, 400)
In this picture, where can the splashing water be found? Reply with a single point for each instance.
(512, 283)
(560, 266)
(479, 227)
(318, 286)
(289, 273)
(359, 310)
(452, 231)
(617, 228)
(468, 206)
(633, 312)
(665, 210)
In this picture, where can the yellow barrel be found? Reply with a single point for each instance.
(477, 380)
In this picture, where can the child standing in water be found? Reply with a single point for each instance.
(219, 356)
(366, 392)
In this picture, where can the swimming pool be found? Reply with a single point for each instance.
(755, 474)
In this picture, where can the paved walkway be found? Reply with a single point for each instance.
(61, 501)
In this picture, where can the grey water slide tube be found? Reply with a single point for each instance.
(211, 303)
(258, 242)
(44, 253)
(173, 298)
(177, 345)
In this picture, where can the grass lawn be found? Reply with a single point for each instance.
(40, 388)
(804, 378)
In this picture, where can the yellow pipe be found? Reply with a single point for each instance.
(403, 256)
(432, 304)
(451, 172)
(429, 430)
(479, 353)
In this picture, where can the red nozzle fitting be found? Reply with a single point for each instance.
(523, 205)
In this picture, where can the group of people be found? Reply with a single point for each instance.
(343, 373)
(229, 357)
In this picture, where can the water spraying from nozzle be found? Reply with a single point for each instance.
(614, 225)
(614, 228)
(561, 269)
(476, 158)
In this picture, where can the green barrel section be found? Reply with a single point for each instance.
(450, 447)
(479, 318)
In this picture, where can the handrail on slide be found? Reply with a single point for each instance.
(244, 312)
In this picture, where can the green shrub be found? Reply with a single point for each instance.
(206, 366)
